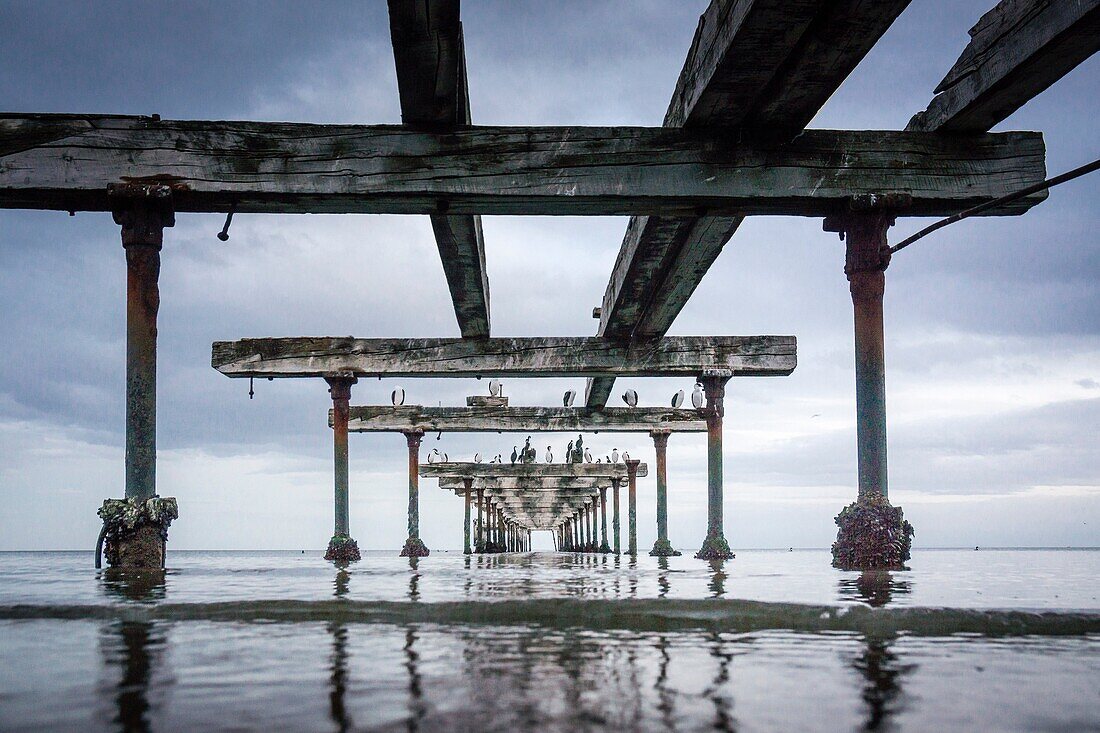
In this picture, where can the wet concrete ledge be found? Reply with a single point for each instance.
(629, 615)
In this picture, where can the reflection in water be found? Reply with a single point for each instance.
(877, 663)
(882, 673)
(416, 693)
(133, 649)
(343, 581)
(717, 584)
(876, 588)
(665, 696)
(662, 577)
(723, 703)
(414, 579)
(132, 654)
(134, 585)
(338, 677)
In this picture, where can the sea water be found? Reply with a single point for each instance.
(772, 640)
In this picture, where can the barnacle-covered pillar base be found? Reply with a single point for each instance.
(135, 531)
(415, 547)
(872, 535)
(663, 548)
(342, 548)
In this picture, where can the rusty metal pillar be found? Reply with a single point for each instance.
(414, 547)
(143, 211)
(632, 508)
(714, 546)
(872, 533)
(589, 541)
(604, 547)
(468, 490)
(615, 483)
(661, 546)
(479, 542)
(341, 548)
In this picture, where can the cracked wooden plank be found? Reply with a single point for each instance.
(527, 471)
(1017, 50)
(430, 58)
(502, 357)
(764, 67)
(383, 418)
(300, 168)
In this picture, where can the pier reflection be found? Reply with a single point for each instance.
(876, 588)
(133, 651)
(717, 583)
(144, 586)
(877, 663)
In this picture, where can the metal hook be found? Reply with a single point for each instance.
(251, 392)
(224, 233)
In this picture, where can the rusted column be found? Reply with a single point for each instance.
(604, 547)
(414, 547)
(468, 490)
(714, 546)
(661, 546)
(479, 543)
(143, 211)
(632, 508)
(341, 548)
(615, 506)
(500, 528)
(872, 533)
(490, 526)
(589, 534)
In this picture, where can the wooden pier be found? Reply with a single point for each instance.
(733, 144)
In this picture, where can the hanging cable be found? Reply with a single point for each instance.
(1049, 183)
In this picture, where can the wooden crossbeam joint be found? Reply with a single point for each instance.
(143, 210)
(863, 229)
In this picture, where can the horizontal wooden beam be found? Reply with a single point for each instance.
(531, 471)
(543, 485)
(1017, 50)
(383, 419)
(526, 357)
(65, 162)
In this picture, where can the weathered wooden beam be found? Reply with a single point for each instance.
(530, 357)
(431, 81)
(384, 419)
(765, 67)
(538, 484)
(769, 65)
(66, 161)
(1017, 50)
(520, 471)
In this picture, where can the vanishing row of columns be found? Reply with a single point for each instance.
(143, 211)
(501, 534)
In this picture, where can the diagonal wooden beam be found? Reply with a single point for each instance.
(429, 54)
(764, 67)
(1017, 49)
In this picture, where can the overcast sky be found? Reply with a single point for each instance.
(992, 325)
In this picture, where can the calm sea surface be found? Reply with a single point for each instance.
(988, 640)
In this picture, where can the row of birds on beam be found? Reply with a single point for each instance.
(630, 397)
(575, 452)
